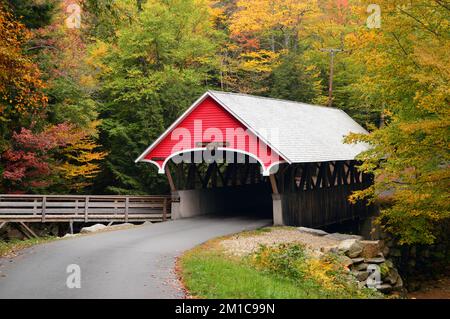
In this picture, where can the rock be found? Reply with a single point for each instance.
(312, 231)
(399, 284)
(345, 261)
(329, 249)
(376, 260)
(121, 225)
(392, 276)
(361, 266)
(384, 288)
(361, 275)
(92, 229)
(371, 248)
(389, 263)
(361, 284)
(385, 250)
(357, 260)
(351, 247)
(384, 269)
(68, 235)
(339, 236)
(147, 223)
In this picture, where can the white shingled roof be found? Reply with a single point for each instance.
(306, 133)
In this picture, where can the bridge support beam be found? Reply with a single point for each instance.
(277, 210)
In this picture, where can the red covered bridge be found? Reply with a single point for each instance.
(242, 154)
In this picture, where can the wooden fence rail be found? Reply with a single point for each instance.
(78, 208)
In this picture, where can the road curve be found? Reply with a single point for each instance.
(131, 263)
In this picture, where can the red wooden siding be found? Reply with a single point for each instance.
(213, 117)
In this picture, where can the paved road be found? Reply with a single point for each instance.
(131, 263)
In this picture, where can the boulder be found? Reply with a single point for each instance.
(399, 284)
(360, 267)
(329, 249)
(357, 260)
(376, 260)
(392, 276)
(92, 229)
(384, 288)
(312, 231)
(371, 248)
(389, 263)
(350, 247)
(361, 275)
(385, 250)
(120, 225)
(345, 261)
(339, 236)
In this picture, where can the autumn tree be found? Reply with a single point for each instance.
(54, 54)
(159, 64)
(407, 76)
(60, 154)
(21, 88)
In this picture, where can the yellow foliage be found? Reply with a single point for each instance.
(82, 160)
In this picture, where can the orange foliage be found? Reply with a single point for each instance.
(20, 84)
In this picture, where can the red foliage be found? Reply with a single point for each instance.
(27, 161)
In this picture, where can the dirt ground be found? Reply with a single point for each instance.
(435, 289)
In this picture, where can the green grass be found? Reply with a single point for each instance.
(209, 273)
(10, 247)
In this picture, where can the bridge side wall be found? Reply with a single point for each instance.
(316, 194)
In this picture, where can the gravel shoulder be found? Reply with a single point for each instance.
(247, 243)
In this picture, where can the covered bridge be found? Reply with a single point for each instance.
(241, 154)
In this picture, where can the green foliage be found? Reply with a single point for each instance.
(158, 66)
(33, 14)
(8, 248)
(286, 260)
(293, 79)
(273, 272)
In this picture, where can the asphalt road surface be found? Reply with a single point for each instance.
(131, 263)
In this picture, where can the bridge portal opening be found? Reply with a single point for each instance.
(228, 185)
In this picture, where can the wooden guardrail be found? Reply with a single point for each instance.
(78, 208)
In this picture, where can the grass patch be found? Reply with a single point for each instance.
(9, 248)
(278, 272)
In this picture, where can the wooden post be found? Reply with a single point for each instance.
(273, 182)
(170, 179)
(86, 205)
(44, 202)
(165, 210)
(71, 227)
(127, 200)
